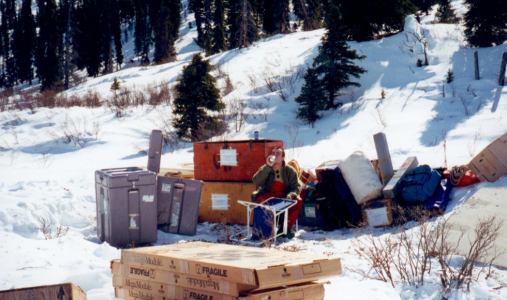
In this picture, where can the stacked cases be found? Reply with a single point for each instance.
(206, 271)
(227, 168)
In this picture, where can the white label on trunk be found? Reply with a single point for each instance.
(175, 218)
(133, 224)
(166, 187)
(148, 198)
(310, 212)
(228, 157)
(219, 201)
(377, 216)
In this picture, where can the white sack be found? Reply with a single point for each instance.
(361, 177)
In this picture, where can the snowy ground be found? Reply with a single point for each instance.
(43, 177)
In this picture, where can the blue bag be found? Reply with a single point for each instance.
(420, 184)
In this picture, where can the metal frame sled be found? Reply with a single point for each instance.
(266, 220)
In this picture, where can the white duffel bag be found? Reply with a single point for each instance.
(361, 178)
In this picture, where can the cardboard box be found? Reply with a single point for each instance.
(491, 163)
(392, 188)
(330, 164)
(264, 268)
(161, 276)
(56, 291)
(378, 213)
(305, 291)
(140, 289)
(219, 202)
(127, 288)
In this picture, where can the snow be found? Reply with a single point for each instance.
(43, 178)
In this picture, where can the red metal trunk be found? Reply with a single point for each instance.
(231, 160)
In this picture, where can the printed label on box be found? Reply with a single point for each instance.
(219, 201)
(377, 216)
(310, 212)
(228, 157)
(148, 198)
(166, 187)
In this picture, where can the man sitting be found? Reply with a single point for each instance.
(277, 179)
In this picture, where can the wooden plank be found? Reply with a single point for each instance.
(384, 157)
(476, 65)
(64, 291)
(229, 211)
(501, 77)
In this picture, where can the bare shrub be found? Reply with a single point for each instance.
(163, 121)
(465, 104)
(47, 231)
(237, 112)
(254, 82)
(158, 94)
(294, 142)
(411, 254)
(228, 87)
(472, 146)
(219, 70)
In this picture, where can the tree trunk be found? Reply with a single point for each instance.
(476, 65)
(501, 77)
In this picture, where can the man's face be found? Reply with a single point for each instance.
(279, 155)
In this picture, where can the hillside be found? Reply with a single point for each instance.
(45, 177)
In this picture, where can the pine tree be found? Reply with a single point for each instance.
(47, 60)
(247, 31)
(445, 12)
(450, 76)
(175, 9)
(9, 72)
(24, 43)
(334, 62)
(197, 94)
(315, 11)
(142, 34)
(312, 99)
(164, 45)
(276, 16)
(232, 23)
(485, 22)
(424, 5)
(219, 42)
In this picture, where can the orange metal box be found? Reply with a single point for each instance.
(231, 160)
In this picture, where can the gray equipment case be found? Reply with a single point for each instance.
(155, 151)
(178, 204)
(126, 206)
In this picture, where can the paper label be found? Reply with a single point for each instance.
(219, 201)
(148, 198)
(377, 216)
(166, 187)
(228, 157)
(310, 212)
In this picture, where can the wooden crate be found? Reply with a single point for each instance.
(219, 202)
(382, 210)
(45, 292)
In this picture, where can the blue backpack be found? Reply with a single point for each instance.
(420, 184)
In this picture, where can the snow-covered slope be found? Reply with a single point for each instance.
(43, 177)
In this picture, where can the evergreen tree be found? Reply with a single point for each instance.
(247, 28)
(334, 63)
(175, 9)
(366, 18)
(445, 12)
(164, 45)
(315, 11)
(219, 42)
(197, 94)
(276, 16)
(142, 34)
(88, 40)
(116, 31)
(47, 61)
(232, 23)
(24, 43)
(424, 5)
(9, 72)
(197, 6)
(486, 22)
(312, 99)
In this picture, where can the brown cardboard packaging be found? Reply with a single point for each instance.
(140, 289)
(378, 213)
(392, 187)
(304, 291)
(491, 163)
(219, 202)
(178, 279)
(264, 268)
(127, 288)
(56, 291)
